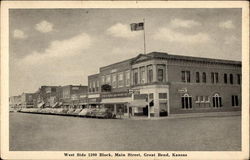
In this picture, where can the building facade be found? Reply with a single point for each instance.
(28, 100)
(159, 84)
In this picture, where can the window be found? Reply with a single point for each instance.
(151, 95)
(90, 85)
(103, 79)
(114, 80)
(186, 101)
(135, 77)
(217, 101)
(185, 76)
(162, 95)
(225, 78)
(197, 99)
(231, 79)
(235, 100)
(197, 77)
(127, 74)
(214, 77)
(120, 79)
(160, 72)
(97, 86)
(160, 75)
(207, 99)
(142, 75)
(238, 79)
(204, 77)
(108, 79)
(150, 73)
(93, 88)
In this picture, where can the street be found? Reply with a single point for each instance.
(35, 132)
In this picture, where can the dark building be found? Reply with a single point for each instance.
(168, 84)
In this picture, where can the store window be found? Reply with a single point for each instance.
(162, 95)
(151, 95)
(120, 79)
(186, 101)
(150, 73)
(235, 100)
(197, 77)
(127, 75)
(217, 101)
(204, 77)
(135, 76)
(185, 76)
(231, 79)
(142, 75)
(225, 78)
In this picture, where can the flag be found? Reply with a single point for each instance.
(137, 26)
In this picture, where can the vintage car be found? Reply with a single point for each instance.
(105, 113)
(77, 111)
(84, 112)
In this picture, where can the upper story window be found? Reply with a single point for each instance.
(214, 77)
(108, 79)
(225, 78)
(127, 75)
(162, 95)
(120, 79)
(114, 80)
(93, 88)
(160, 72)
(90, 86)
(204, 77)
(135, 76)
(231, 79)
(197, 77)
(238, 78)
(142, 75)
(150, 73)
(103, 79)
(185, 76)
(97, 86)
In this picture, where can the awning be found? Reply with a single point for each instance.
(55, 105)
(40, 105)
(138, 103)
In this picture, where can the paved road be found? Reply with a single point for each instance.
(34, 132)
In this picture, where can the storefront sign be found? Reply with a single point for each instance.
(117, 94)
(183, 90)
(75, 88)
(135, 91)
(141, 96)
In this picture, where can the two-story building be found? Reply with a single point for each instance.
(172, 84)
(74, 95)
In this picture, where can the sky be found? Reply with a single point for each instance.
(64, 46)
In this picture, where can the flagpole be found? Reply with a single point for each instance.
(144, 35)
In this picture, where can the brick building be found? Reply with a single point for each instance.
(169, 84)
(74, 95)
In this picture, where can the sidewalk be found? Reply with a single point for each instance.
(187, 115)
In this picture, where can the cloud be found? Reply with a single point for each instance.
(226, 25)
(165, 34)
(122, 31)
(176, 23)
(44, 27)
(59, 49)
(19, 34)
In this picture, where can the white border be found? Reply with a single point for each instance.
(6, 154)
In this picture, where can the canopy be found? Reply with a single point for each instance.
(138, 103)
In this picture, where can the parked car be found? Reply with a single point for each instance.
(70, 111)
(77, 111)
(105, 113)
(94, 112)
(89, 112)
(84, 112)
